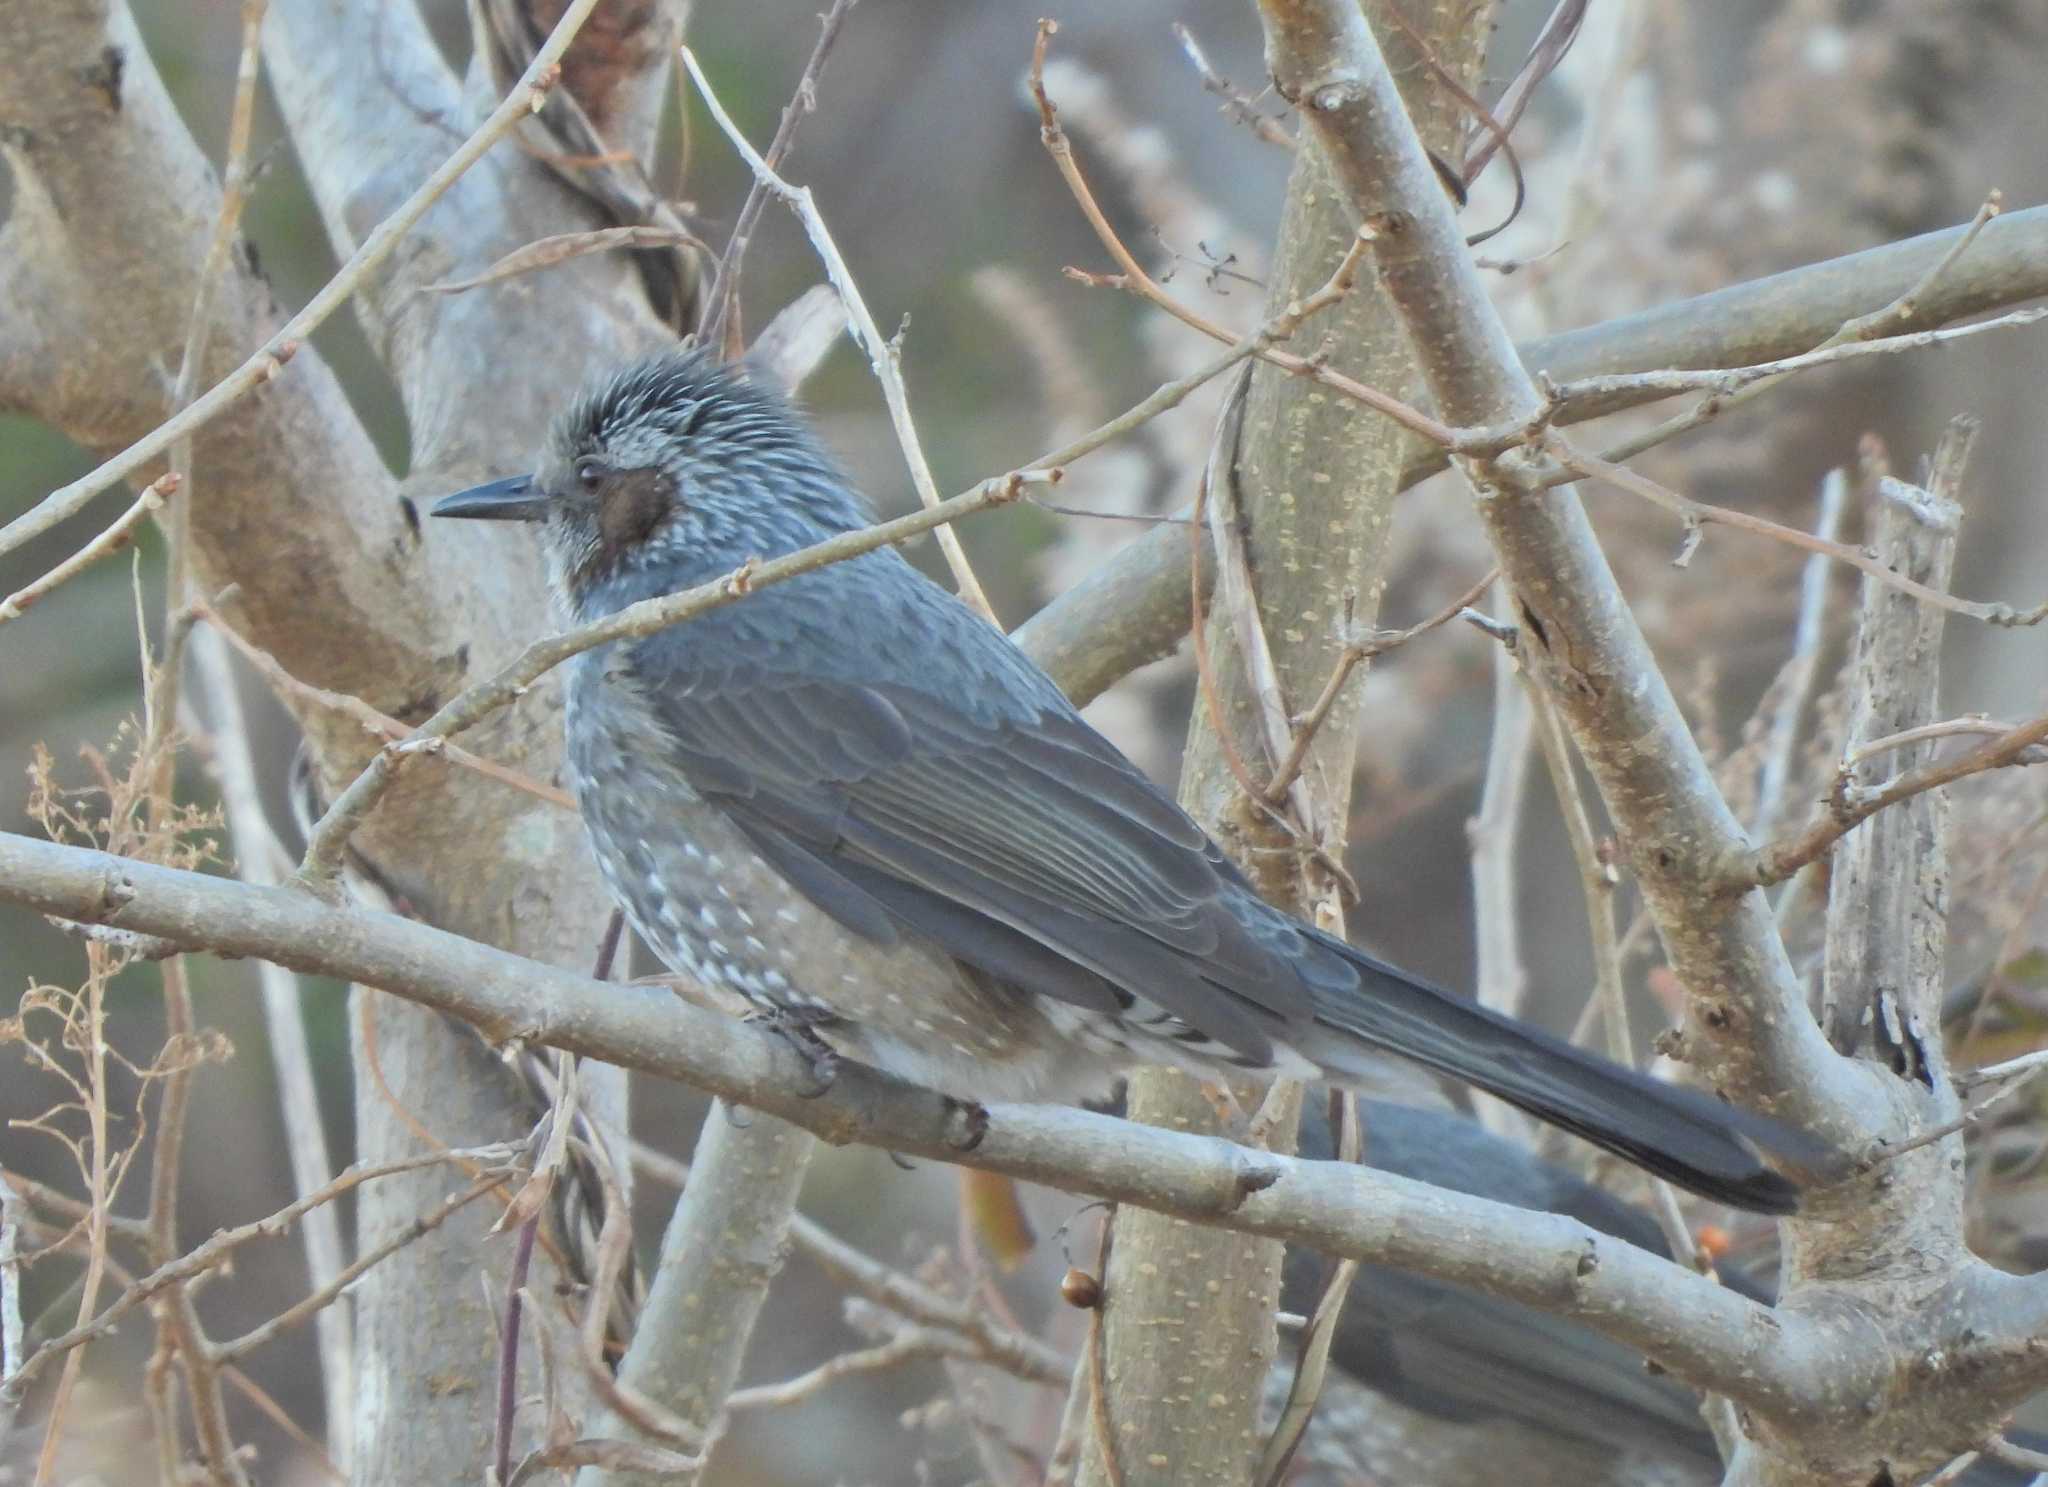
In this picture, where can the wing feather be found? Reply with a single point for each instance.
(1021, 842)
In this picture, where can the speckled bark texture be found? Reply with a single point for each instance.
(725, 1244)
(1316, 482)
(1912, 1364)
(335, 575)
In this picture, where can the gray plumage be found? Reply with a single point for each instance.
(854, 802)
(1460, 1355)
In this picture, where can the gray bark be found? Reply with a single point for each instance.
(1133, 608)
(1315, 484)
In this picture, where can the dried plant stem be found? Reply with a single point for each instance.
(721, 312)
(373, 721)
(317, 1301)
(884, 356)
(1850, 809)
(260, 858)
(211, 1253)
(99, 1193)
(1795, 679)
(1695, 515)
(1133, 277)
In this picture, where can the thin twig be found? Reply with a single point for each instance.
(1883, 1150)
(119, 533)
(13, 1213)
(1224, 438)
(1457, 179)
(566, 247)
(1013, 1351)
(1859, 328)
(99, 1186)
(1311, 1369)
(723, 298)
(1237, 594)
(199, 323)
(261, 859)
(315, 1301)
(1549, 48)
(1780, 860)
(1371, 648)
(1134, 278)
(508, 1345)
(1971, 725)
(2001, 1449)
(626, 1402)
(276, 1414)
(1953, 1472)
(177, 1317)
(205, 1256)
(1598, 881)
(907, 1346)
(269, 359)
(1727, 381)
(1236, 102)
(883, 355)
(1492, 836)
(1695, 515)
(1098, 1367)
(2012, 1068)
(1906, 308)
(1795, 681)
(1215, 508)
(383, 724)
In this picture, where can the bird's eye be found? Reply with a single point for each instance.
(590, 474)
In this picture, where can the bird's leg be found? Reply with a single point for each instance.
(798, 1027)
(1223, 1100)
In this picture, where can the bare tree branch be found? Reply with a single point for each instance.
(1300, 508)
(269, 360)
(1747, 1028)
(725, 1243)
(1786, 314)
(884, 357)
(1709, 1336)
(260, 858)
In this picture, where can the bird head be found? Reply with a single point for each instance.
(666, 474)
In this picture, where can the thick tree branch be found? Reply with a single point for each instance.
(1300, 495)
(1144, 586)
(1705, 1334)
(725, 1243)
(1748, 1028)
(268, 360)
(1883, 982)
(458, 850)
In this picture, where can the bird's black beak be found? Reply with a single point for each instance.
(515, 499)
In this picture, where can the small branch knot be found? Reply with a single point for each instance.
(1329, 97)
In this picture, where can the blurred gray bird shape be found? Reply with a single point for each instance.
(853, 801)
(1462, 1356)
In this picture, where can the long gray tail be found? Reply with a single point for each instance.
(1692, 1139)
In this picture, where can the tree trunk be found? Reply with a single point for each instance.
(1188, 1319)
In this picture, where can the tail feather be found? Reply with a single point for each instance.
(1699, 1143)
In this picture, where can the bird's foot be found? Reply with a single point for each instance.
(799, 1029)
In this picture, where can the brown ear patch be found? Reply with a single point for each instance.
(632, 503)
